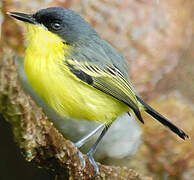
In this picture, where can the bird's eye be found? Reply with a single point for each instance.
(56, 26)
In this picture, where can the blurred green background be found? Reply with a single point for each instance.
(157, 39)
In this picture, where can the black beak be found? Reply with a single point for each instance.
(23, 17)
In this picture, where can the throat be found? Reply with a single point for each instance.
(42, 41)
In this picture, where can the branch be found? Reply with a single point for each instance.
(39, 139)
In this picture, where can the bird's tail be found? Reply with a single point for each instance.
(162, 119)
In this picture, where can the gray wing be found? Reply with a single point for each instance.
(105, 72)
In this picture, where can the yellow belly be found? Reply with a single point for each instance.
(59, 88)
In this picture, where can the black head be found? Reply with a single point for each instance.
(65, 23)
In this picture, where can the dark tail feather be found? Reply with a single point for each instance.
(162, 119)
(138, 114)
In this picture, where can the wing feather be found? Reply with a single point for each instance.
(108, 80)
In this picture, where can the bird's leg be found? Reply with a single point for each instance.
(93, 149)
(83, 140)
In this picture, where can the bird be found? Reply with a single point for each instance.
(79, 74)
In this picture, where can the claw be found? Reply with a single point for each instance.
(82, 160)
(92, 161)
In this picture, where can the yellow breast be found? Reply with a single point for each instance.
(58, 87)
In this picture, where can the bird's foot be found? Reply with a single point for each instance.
(92, 161)
(90, 158)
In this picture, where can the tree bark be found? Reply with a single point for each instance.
(37, 137)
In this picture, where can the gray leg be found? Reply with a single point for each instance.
(83, 140)
(93, 148)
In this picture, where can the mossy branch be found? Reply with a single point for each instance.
(37, 137)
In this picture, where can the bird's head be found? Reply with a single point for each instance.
(64, 23)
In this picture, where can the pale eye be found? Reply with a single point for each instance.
(56, 26)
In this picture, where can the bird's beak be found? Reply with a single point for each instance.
(23, 17)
